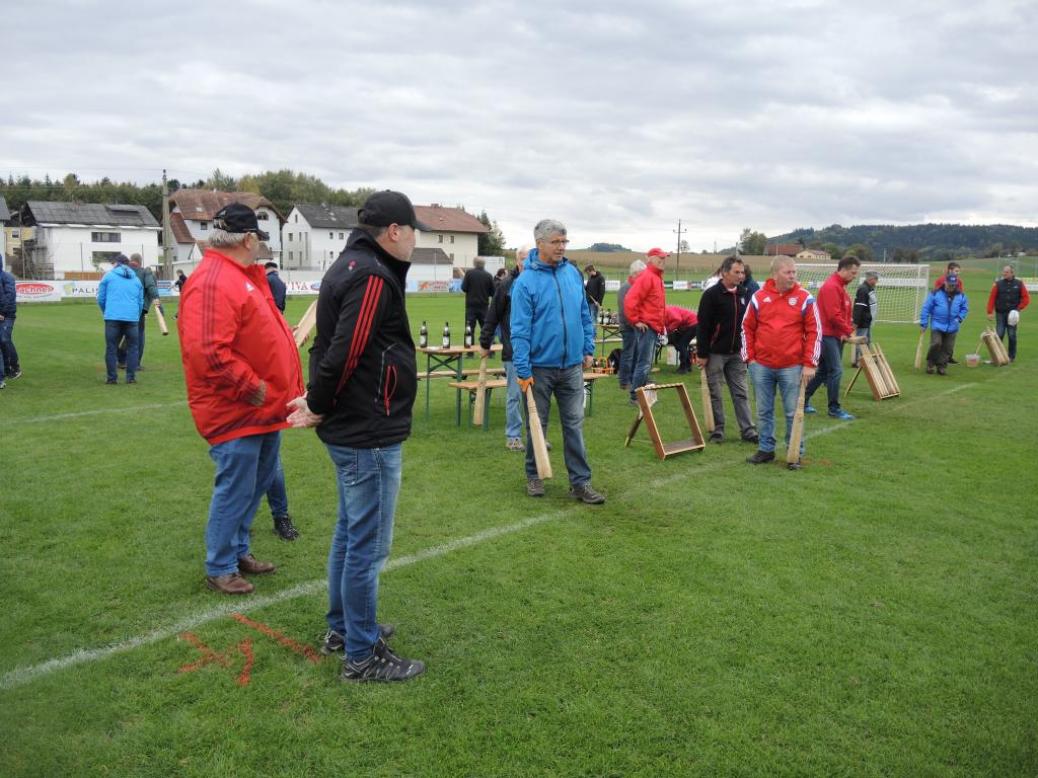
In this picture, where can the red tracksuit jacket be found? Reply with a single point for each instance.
(781, 330)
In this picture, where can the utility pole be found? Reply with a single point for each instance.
(167, 233)
(677, 260)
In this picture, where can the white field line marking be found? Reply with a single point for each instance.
(78, 414)
(23, 675)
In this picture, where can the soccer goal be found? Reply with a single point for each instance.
(901, 289)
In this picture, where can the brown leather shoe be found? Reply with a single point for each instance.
(232, 583)
(249, 565)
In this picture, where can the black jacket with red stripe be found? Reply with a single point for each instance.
(363, 375)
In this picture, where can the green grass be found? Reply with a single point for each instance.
(873, 614)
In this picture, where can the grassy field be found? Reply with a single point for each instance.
(873, 614)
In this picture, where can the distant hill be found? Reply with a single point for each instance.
(930, 240)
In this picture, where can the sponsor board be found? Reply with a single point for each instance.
(302, 287)
(612, 285)
(432, 286)
(680, 286)
(39, 291)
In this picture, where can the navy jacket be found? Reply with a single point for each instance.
(277, 289)
(8, 293)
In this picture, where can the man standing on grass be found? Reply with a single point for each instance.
(628, 334)
(945, 310)
(241, 367)
(10, 368)
(363, 381)
(478, 286)
(151, 295)
(553, 341)
(865, 306)
(718, 345)
(834, 309)
(1008, 294)
(120, 295)
(595, 289)
(498, 318)
(781, 342)
(645, 308)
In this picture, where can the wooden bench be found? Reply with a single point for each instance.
(500, 383)
(495, 371)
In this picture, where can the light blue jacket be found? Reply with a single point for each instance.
(550, 320)
(944, 313)
(120, 295)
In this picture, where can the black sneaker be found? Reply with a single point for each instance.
(952, 361)
(284, 529)
(586, 494)
(751, 438)
(760, 457)
(16, 374)
(333, 642)
(382, 665)
(716, 437)
(111, 381)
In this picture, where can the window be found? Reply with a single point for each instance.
(331, 236)
(342, 235)
(451, 255)
(296, 219)
(14, 234)
(331, 255)
(452, 238)
(203, 226)
(440, 237)
(105, 237)
(290, 237)
(262, 216)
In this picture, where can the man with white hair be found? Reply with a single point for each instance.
(628, 333)
(553, 341)
(241, 367)
(1008, 295)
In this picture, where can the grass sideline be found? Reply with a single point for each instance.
(872, 614)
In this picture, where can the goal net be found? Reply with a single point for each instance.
(901, 289)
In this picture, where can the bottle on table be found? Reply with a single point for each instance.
(423, 336)
(446, 334)
(468, 336)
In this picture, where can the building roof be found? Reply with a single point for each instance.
(179, 228)
(203, 204)
(430, 257)
(92, 214)
(328, 217)
(440, 219)
(785, 249)
(5, 213)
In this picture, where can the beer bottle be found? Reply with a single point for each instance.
(468, 336)
(446, 334)
(423, 336)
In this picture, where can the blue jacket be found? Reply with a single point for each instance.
(550, 319)
(277, 289)
(121, 295)
(8, 293)
(944, 313)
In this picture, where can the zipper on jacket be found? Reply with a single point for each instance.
(562, 314)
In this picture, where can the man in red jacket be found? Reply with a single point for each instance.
(781, 340)
(645, 309)
(682, 325)
(834, 308)
(241, 367)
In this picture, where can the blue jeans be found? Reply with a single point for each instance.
(9, 364)
(765, 381)
(121, 356)
(1002, 329)
(626, 370)
(244, 469)
(567, 384)
(513, 404)
(644, 351)
(867, 333)
(830, 370)
(114, 332)
(369, 482)
(277, 495)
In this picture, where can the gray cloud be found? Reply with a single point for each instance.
(617, 119)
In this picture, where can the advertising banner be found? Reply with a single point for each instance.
(39, 291)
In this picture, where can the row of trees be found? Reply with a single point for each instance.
(756, 243)
(284, 188)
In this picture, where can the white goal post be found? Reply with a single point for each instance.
(900, 292)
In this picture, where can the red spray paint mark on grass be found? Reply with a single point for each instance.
(306, 651)
(209, 656)
(246, 672)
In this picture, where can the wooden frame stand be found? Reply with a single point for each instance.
(997, 350)
(877, 370)
(647, 397)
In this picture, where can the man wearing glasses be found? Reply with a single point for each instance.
(241, 367)
(553, 340)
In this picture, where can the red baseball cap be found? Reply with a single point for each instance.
(657, 252)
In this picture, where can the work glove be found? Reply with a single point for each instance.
(525, 383)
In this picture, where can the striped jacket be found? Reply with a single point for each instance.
(363, 374)
(781, 329)
(232, 337)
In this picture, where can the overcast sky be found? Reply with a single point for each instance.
(618, 118)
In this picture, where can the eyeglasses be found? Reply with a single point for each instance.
(558, 242)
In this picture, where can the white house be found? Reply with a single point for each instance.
(84, 237)
(5, 220)
(314, 235)
(453, 230)
(191, 213)
(814, 255)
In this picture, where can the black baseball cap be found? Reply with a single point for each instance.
(238, 218)
(389, 207)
